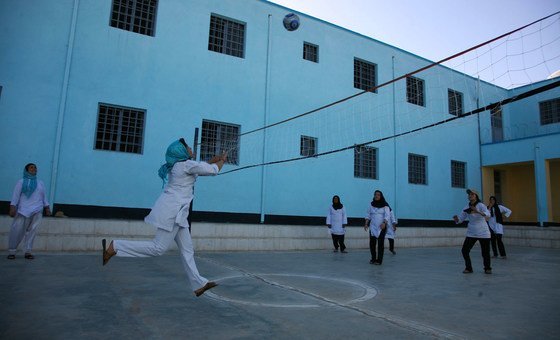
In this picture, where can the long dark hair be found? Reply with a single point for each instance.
(338, 205)
(495, 210)
(381, 203)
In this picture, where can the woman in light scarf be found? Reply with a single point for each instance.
(26, 207)
(170, 212)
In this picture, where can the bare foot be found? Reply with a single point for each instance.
(107, 252)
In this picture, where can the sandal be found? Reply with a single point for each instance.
(11, 257)
(29, 256)
(207, 286)
(106, 256)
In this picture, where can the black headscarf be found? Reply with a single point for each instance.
(495, 210)
(381, 203)
(338, 205)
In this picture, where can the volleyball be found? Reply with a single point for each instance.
(291, 22)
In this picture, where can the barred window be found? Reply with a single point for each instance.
(458, 174)
(416, 169)
(226, 36)
(497, 124)
(415, 91)
(120, 129)
(137, 16)
(364, 75)
(455, 100)
(310, 52)
(365, 162)
(217, 138)
(550, 111)
(308, 146)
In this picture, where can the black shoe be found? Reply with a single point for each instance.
(487, 271)
(371, 262)
(11, 257)
(335, 251)
(394, 252)
(467, 271)
(344, 251)
(377, 263)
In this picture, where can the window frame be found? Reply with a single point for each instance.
(312, 56)
(128, 22)
(361, 82)
(222, 40)
(209, 151)
(361, 165)
(458, 175)
(412, 90)
(304, 149)
(112, 137)
(451, 98)
(553, 116)
(417, 173)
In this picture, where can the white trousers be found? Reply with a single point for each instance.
(24, 226)
(161, 242)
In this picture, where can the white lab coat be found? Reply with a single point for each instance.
(172, 206)
(477, 226)
(337, 218)
(377, 216)
(390, 227)
(28, 206)
(498, 228)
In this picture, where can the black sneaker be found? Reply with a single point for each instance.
(11, 257)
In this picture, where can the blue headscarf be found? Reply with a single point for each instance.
(29, 182)
(176, 152)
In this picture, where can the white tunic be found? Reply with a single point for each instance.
(337, 218)
(172, 206)
(477, 226)
(28, 206)
(390, 227)
(498, 228)
(377, 216)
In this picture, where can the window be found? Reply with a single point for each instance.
(497, 124)
(458, 174)
(550, 111)
(308, 146)
(310, 52)
(364, 75)
(120, 129)
(137, 16)
(415, 91)
(365, 162)
(455, 100)
(416, 169)
(227, 37)
(218, 138)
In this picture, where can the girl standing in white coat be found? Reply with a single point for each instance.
(497, 211)
(391, 230)
(337, 221)
(477, 230)
(170, 212)
(378, 216)
(28, 202)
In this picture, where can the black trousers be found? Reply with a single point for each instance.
(497, 238)
(338, 241)
(377, 242)
(391, 244)
(484, 247)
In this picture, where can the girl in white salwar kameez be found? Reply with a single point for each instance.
(170, 212)
(336, 222)
(26, 207)
(378, 216)
(497, 213)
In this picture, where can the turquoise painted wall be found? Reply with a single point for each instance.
(179, 83)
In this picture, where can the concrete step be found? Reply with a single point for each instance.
(77, 234)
